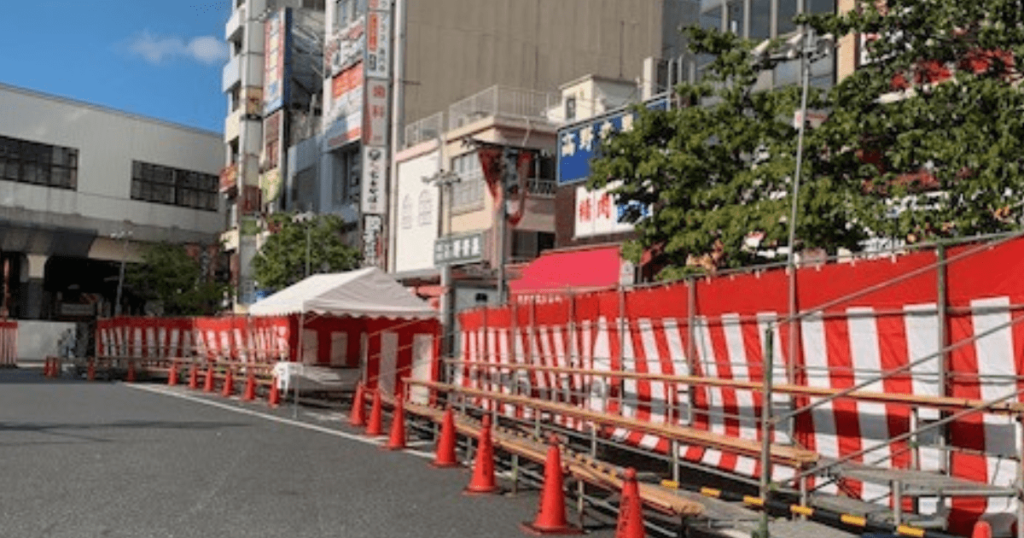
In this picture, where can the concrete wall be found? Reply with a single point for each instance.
(40, 339)
(107, 142)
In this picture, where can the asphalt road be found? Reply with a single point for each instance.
(100, 459)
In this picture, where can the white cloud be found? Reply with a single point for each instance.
(155, 49)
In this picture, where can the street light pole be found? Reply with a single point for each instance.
(124, 234)
(807, 47)
(306, 219)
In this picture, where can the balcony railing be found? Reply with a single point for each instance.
(502, 102)
(234, 24)
(232, 73)
(424, 129)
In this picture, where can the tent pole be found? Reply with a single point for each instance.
(302, 360)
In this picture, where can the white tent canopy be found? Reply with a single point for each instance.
(365, 292)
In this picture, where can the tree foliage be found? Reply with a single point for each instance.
(938, 109)
(170, 276)
(718, 168)
(281, 260)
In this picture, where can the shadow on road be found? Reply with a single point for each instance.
(80, 431)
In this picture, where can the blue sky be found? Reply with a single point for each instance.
(156, 58)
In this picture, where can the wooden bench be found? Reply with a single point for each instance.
(784, 455)
(942, 403)
(578, 465)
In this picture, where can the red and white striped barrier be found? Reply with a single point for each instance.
(386, 350)
(850, 342)
(8, 343)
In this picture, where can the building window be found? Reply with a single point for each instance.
(821, 6)
(39, 164)
(787, 10)
(425, 215)
(711, 14)
(172, 186)
(468, 193)
(735, 23)
(760, 19)
(347, 11)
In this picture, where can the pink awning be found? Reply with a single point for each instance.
(579, 269)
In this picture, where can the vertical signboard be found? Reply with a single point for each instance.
(275, 60)
(375, 130)
(375, 166)
(345, 113)
(270, 158)
(373, 234)
(376, 70)
(378, 52)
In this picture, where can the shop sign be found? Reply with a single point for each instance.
(374, 172)
(459, 249)
(598, 214)
(375, 132)
(578, 143)
(378, 34)
(373, 231)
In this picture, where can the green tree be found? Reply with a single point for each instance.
(932, 126)
(169, 276)
(281, 260)
(718, 168)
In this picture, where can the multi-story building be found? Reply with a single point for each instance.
(272, 82)
(82, 187)
(447, 210)
(443, 51)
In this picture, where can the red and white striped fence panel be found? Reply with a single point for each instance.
(8, 343)
(845, 344)
(387, 350)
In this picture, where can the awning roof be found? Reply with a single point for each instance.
(585, 268)
(365, 292)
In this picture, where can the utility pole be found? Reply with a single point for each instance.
(445, 181)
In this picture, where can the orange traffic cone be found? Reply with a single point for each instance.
(446, 443)
(172, 375)
(397, 439)
(631, 518)
(130, 378)
(229, 384)
(483, 469)
(551, 514)
(90, 373)
(46, 367)
(208, 385)
(250, 388)
(982, 529)
(373, 427)
(274, 398)
(358, 416)
(193, 377)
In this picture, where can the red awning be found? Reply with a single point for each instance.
(579, 269)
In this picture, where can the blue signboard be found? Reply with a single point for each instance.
(579, 143)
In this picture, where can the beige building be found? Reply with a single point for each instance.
(456, 48)
(460, 208)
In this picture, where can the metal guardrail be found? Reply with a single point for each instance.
(501, 101)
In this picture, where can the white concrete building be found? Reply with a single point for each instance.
(73, 176)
